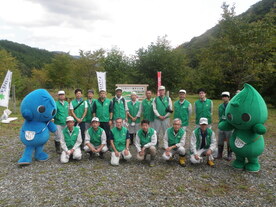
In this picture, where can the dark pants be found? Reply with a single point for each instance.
(82, 128)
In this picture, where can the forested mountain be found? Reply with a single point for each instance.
(28, 57)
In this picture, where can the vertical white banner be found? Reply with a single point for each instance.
(5, 90)
(101, 76)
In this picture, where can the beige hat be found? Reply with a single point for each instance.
(182, 91)
(133, 93)
(225, 93)
(203, 121)
(162, 88)
(69, 118)
(61, 93)
(95, 119)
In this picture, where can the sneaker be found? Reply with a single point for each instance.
(210, 163)
(101, 156)
(182, 161)
(151, 164)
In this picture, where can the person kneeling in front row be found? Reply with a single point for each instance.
(203, 142)
(145, 142)
(174, 142)
(95, 139)
(119, 141)
(70, 141)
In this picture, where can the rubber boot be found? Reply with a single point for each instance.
(58, 148)
(220, 151)
(182, 161)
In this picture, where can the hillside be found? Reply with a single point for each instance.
(28, 57)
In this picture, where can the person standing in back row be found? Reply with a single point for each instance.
(147, 108)
(182, 109)
(119, 107)
(90, 102)
(203, 107)
(60, 118)
(162, 107)
(78, 109)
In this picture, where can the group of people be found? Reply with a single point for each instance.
(100, 125)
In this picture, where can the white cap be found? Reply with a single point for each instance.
(182, 91)
(225, 93)
(133, 93)
(69, 118)
(95, 119)
(162, 88)
(203, 121)
(61, 93)
(118, 88)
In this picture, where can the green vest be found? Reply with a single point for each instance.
(221, 110)
(62, 113)
(174, 139)
(181, 111)
(133, 110)
(199, 138)
(88, 116)
(145, 138)
(70, 140)
(102, 110)
(148, 113)
(119, 109)
(161, 106)
(80, 110)
(203, 109)
(95, 136)
(119, 138)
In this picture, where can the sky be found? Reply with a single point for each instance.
(73, 25)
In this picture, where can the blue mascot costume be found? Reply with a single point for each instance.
(38, 109)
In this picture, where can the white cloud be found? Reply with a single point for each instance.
(70, 25)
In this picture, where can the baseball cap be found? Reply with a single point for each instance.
(61, 93)
(182, 91)
(90, 91)
(118, 88)
(162, 88)
(203, 121)
(133, 93)
(225, 93)
(95, 119)
(69, 118)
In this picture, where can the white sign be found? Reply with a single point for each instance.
(5, 90)
(101, 76)
(140, 90)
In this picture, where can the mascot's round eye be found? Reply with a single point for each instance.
(41, 109)
(246, 117)
(54, 112)
(229, 117)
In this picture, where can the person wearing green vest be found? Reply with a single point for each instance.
(78, 109)
(224, 135)
(145, 141)
(119, 107)
(203, 143)
(182, 109)
(133, 114)
(70, 141)
(102, 109)
(60, 118)
(146, 108)
(203, 107)
(174, 142)
(162, 108)
(119, 141)
(95, 139)
(90, 102)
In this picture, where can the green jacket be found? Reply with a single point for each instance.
(145, 138)
(119, 108)
(95, 136)
(70, 140)
(62, 113)
(80, 110)
(88, 116)
(173, 138)
(199, 138)
(221, 110)
(120, 137)
(101, 109)
(148, 113)
(161, 105)
(203, 109)
(181, 111)
(133, 109)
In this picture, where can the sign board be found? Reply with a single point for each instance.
(140, 90)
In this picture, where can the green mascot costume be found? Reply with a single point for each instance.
(246, 114)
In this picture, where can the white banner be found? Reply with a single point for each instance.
(101, 76)
(5, 90)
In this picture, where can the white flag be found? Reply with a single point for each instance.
(101, 76)
(5, 90)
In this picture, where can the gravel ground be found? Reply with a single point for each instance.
(97, 183)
